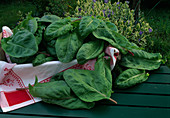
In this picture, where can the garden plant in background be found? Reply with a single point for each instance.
(57, 7)
(118, 13)
(159, 19)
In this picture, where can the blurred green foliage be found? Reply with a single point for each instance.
(57, 7)
(11, 12)
(159, 41)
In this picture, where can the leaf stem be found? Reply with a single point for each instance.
(112, 100)
(21, 89)
(76, 20)
(131, 52)
(44, 53)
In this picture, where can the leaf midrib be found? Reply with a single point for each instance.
(133, 77)
(15, 44)
(145, 59)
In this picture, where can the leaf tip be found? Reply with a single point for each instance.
(147, 74)
(36, 80)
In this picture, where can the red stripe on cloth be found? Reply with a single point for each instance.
(77, 66)
(21, 83)
(16, 97)
(45, 80)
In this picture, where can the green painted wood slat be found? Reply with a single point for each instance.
(162, 70)
(159, 78)
(148, 88)
(139, 100)
(22, 116)
(103, 111)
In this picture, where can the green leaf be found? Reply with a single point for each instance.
(72, 102)
(58, 28)
(75, 22)
(89, 85)
(108, 31)
(133, 45)
(123, 41)
(67, 47)
(38, 39)
(50, 47)
(40, 59)
(105, 34)
(29, 24)
(32, 25)
(21, 60)
(112, 26)
(89, 51)
(56, 77)
(55, 90)
(51, 51)
(147, 55)
(58, 92)
(129, 78)
(39, 33)
(51, 43)
(87, 25)
(141, 60)
(49, 18)
(22, 44)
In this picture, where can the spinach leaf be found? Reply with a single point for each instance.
(56, 77)
(32, 25)
(39, 33)
(112, 26)
(58, 28)
(105, 34)
(51, 51)
(71, 102)
(108, 31)
(129, 78)
(56, 89)
(75, 22)
(86, 84)
(50, 47)
(29, 24)
(123, 41)
(40, 59)
(38, 39)
(67, 46)
(135, 46)
(22, 44)
(58, 92)
(144, 54)
(21, 60)
(117, 37)
(87, 25)
(141, 60)
(89, 51)
(49, 18)
(51, 43)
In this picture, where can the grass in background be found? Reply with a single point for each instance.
(9, 13)
(159, 41)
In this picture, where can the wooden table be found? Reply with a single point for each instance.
(150, 99)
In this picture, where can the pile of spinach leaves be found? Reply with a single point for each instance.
(39, 40)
